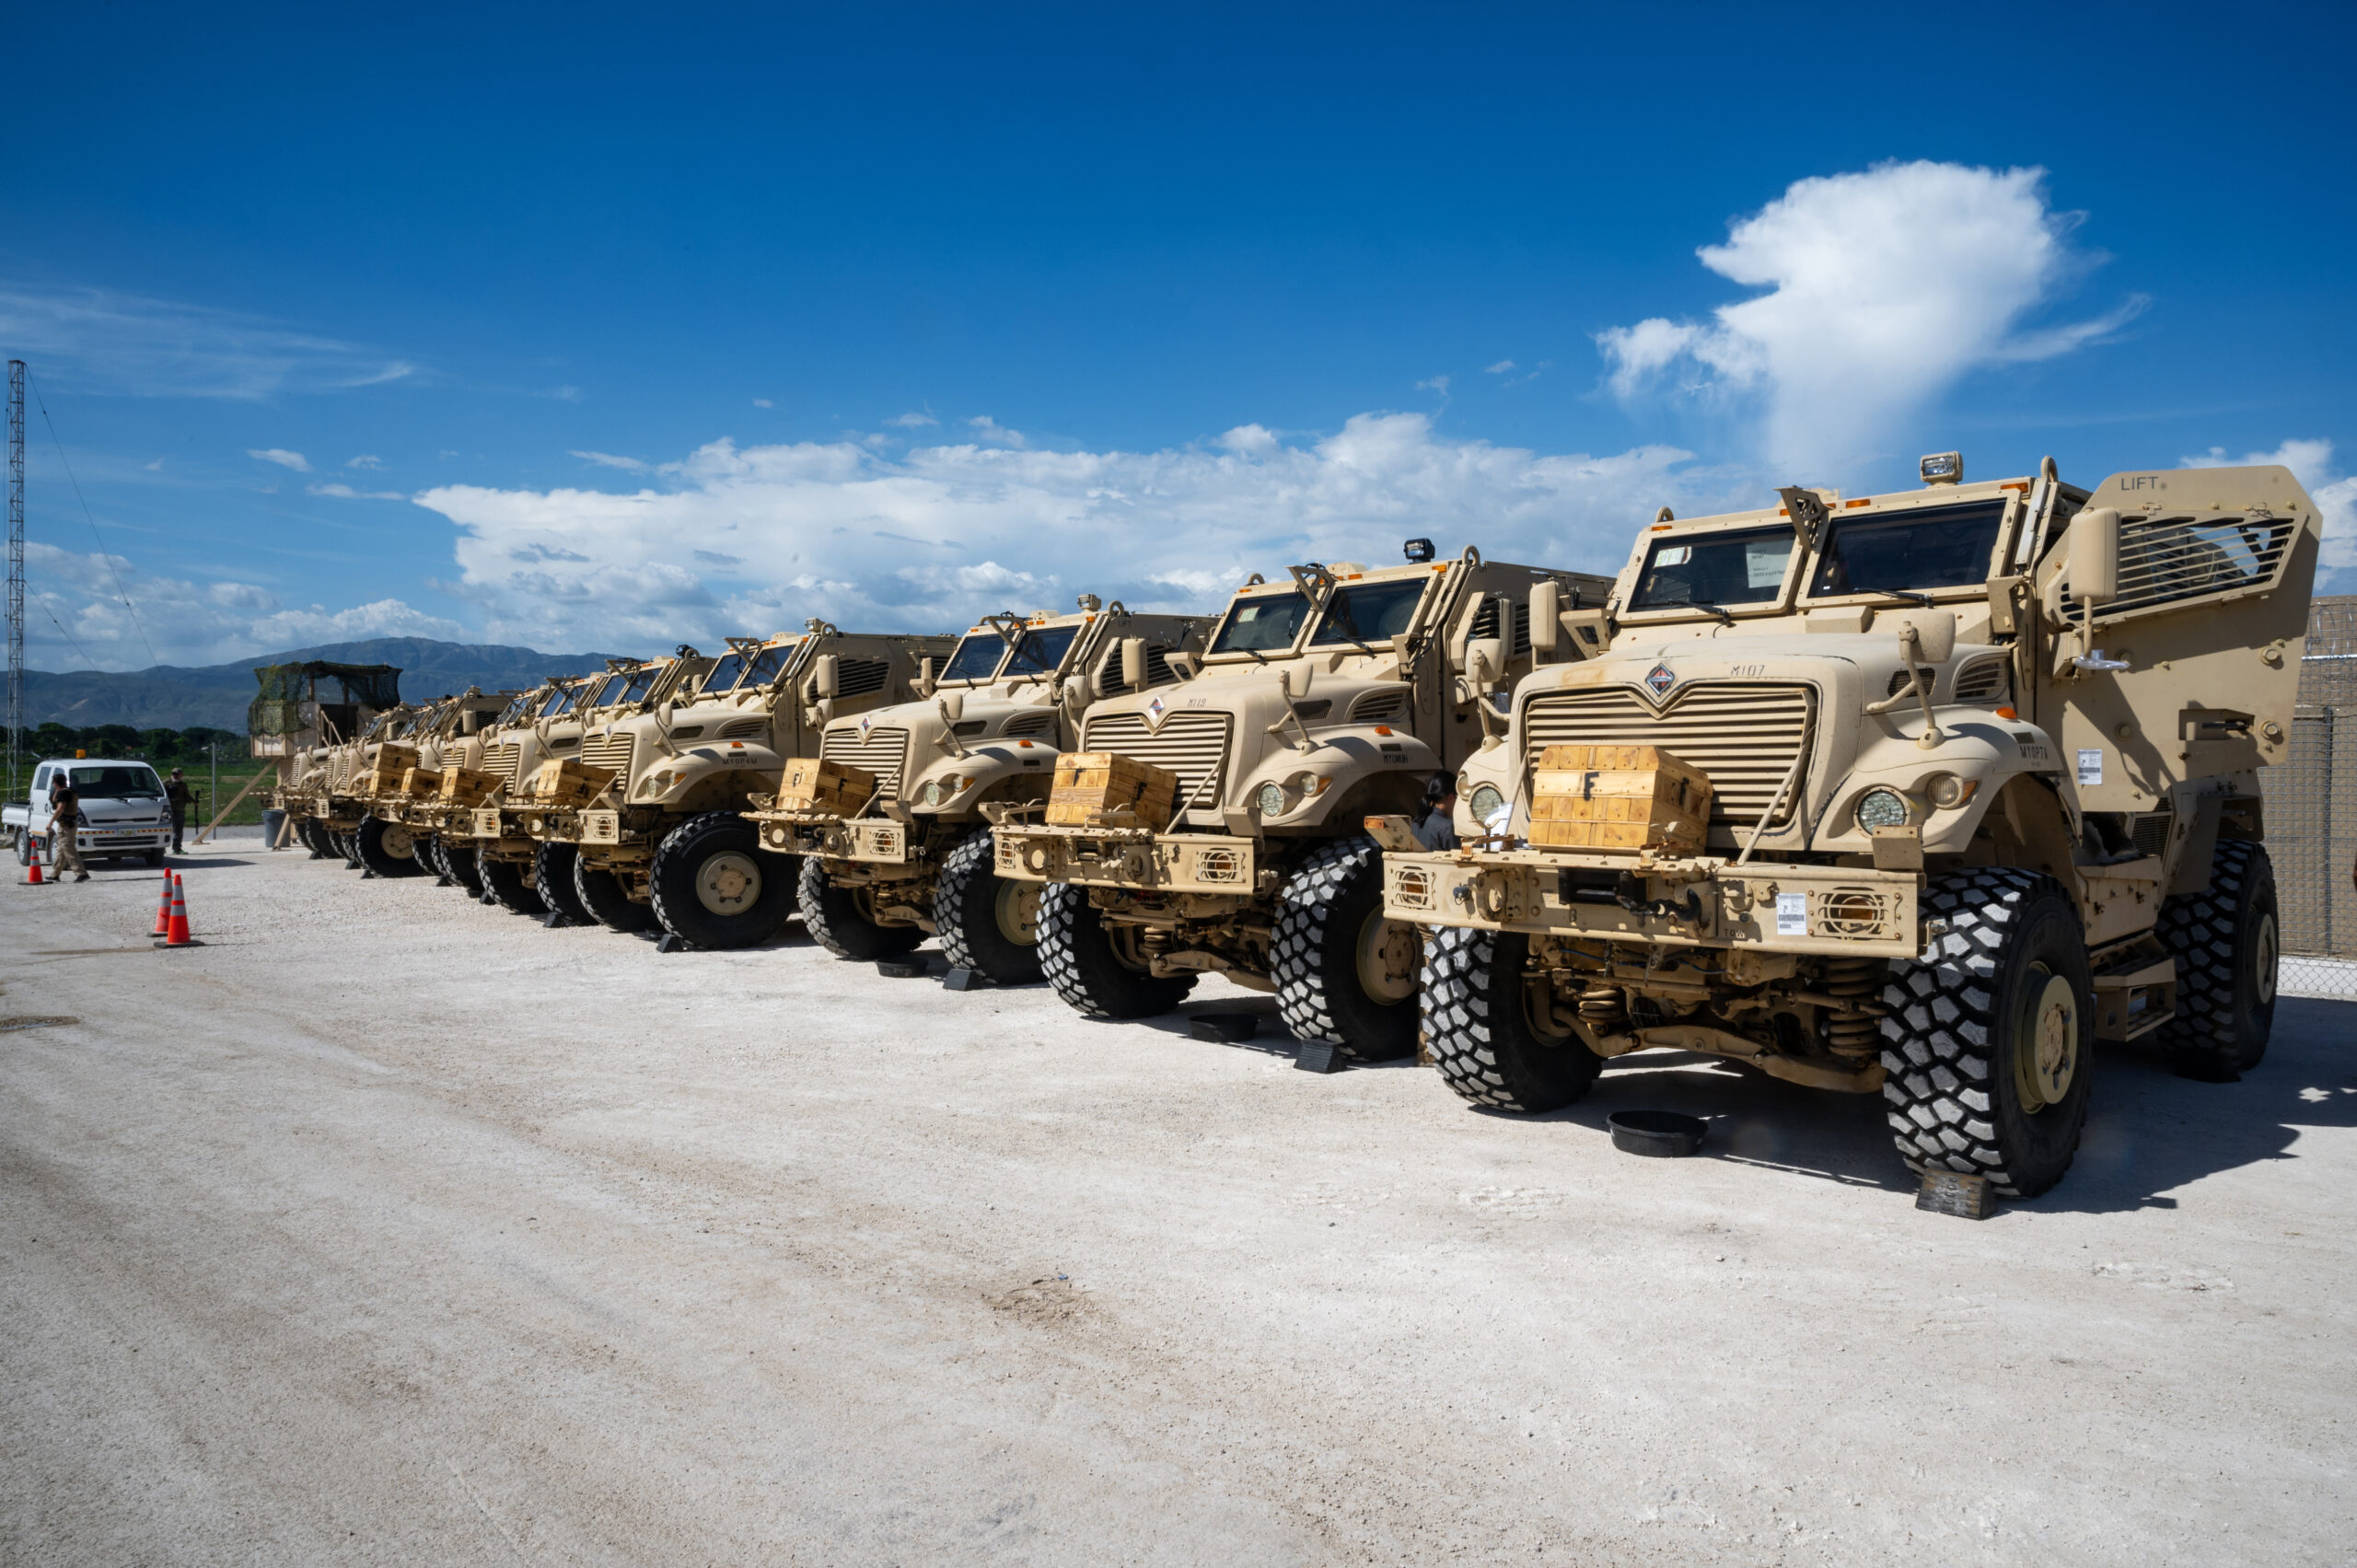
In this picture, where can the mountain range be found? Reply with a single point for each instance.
(170, 696)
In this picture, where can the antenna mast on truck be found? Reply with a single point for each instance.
(15, 566)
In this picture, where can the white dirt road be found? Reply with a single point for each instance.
(392, 1228)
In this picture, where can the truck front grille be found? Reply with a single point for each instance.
(1744, 737)
(500, 760)
(610, 752)
(881, 751)
(1190, 744)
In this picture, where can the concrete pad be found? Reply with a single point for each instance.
(391, 1228)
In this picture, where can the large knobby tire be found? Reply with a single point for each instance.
(715, 886)
(1479, 1027)
(838, 918)
(387, 849)
(2226, 943)
(466, 869)
(1078, 957)
(1989, 1045)
(989, 924)
(553, 879)
(314, 834)
(1344, 973)
(347, 846)
(429, 854)
(600, 892)
(510, 883)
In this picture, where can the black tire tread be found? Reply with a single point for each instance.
(1099, 990)
(1297, 953)
(967, 891)
(2202, 932)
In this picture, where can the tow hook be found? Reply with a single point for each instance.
(1629, 893)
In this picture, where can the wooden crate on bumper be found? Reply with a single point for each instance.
(568, 781)
(384, 772)
(1101, 789)
(421, 782)
(467, 786)
(812, 783)
(1618, 797)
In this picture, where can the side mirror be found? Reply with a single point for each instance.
(1935, 635)
(924, 677)
(827, 676)
(2095, 555)
(663, 711)
(1133, 663)
(953, 705)
(1485, 659)
(1294, 681)
(1545, 610)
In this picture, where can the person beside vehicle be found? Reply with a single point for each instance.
(182, 796)
(64, 828)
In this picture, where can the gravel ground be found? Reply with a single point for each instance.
(388, 1227)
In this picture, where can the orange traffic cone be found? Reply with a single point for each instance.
(32, 877)
(176, 934)
(164, 909)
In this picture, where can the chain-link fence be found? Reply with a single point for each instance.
(2312, 812)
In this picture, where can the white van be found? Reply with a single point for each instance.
(123, 810)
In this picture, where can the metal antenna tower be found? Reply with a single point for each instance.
(16, 568)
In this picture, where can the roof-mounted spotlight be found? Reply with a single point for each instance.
(1420, 551)
(1943, 468)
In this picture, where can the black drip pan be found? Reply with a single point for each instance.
(1664, 1134)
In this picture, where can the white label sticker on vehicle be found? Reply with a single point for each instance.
(2091, 766)
(1791, 914)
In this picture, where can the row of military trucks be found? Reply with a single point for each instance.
(1921, 795)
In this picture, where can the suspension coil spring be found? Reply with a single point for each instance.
(1604, 1008)
(1854, 981)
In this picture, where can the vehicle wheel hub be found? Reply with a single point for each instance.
(1018, 909)
(1386, 954)
(2262, 955)
(2045, 1042)
(728, 883)
(398, 843)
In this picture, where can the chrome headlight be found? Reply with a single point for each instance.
(1271, 799)
(1882, 808)
(1486, 801)
(932, 794)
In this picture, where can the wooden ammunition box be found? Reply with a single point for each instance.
(1099, 789)
(467, 786)
(421, 782)
(812, 783)
(384, 773)
(567, 781)
(1618, 797)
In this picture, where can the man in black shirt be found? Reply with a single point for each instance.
(65, 825)
(183, 799)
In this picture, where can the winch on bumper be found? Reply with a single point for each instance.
(1132, 858)
(1702, 901)
(822, 833)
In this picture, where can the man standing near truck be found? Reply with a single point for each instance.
(182, 798)
(65, 827)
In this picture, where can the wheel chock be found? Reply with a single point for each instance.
(1320, 1056)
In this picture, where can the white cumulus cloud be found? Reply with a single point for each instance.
(940, 534)
(282, 457)
(1883, 289)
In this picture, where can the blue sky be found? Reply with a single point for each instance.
(589, 328)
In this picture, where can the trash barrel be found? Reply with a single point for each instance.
(274, 823)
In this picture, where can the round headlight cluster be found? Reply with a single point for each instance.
(933, 793)
(1882, 808)
(1271, 799)
(1948, 791)
(1486, 802)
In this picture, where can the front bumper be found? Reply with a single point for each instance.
(878, 841)
(1702, 902)
(1132, 858)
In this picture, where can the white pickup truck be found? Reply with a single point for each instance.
(123, 811)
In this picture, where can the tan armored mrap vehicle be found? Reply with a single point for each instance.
(404, 792)
(1979, 767)
(892, 817)
(645, 828)
(490, 826)
(332, 792)
(1229, 836)
(301, 714)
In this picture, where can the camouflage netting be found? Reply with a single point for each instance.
(278, 710)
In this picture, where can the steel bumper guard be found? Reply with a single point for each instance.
(1132, 858)
(1699, 902)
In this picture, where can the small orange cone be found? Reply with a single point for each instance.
(32, 877)
(164, 909)
(176, 935)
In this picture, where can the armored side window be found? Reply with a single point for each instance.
(1741, 566)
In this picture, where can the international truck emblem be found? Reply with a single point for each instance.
(1659, 680)
(1155, 709)
(866, 722)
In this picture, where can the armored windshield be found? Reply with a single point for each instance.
(722, 676)
(1041, 652)
(1372, 612)
(1745, 566)
(1261, 625)
(561, 700)
(769, 663)
(641, 682)
(977, 657)
(1926, 547)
